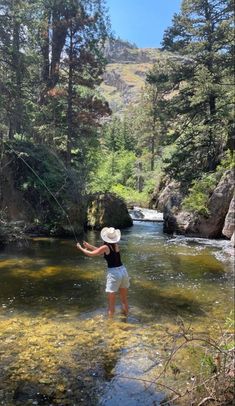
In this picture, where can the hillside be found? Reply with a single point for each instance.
(125, 72)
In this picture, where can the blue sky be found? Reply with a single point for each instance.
(142, 21)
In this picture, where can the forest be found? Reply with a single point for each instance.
(183, 127)
(51, 66)
(70, 164)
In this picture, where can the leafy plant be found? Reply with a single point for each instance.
(201, 190)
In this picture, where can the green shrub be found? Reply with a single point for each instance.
(199, 194)
(201, 190)
(130, 195)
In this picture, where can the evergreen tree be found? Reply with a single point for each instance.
(72, 33)
(50, 65)
(194, 85)
(149, 124)
(117, 135)
(15, 63)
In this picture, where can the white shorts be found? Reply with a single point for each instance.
(117, 278)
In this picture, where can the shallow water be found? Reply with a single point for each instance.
(57, 346)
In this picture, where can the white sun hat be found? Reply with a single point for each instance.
(110, 234)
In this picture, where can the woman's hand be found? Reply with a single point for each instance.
(79, 246)
(85, 244)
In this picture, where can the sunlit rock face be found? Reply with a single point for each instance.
(125, 73)
(107, 210)
(170, 196)
(211, 226)
(229, 224)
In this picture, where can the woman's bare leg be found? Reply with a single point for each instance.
(111, 303)
(124, 301)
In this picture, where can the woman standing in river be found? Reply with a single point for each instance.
(117, 276)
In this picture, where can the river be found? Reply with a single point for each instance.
(57, 346)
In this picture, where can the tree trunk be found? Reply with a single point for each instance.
(51, 51)
(45, 48)
(16, 115)
(140, 179)
(152, 153)
(231, 137)
(59, 32)
(210, 57)
(70, 102)
(212, 105)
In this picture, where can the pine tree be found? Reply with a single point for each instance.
(72, 34)
(195, 85)
(15, 18)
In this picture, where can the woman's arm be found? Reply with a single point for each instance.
(98, 251)
(89, 246)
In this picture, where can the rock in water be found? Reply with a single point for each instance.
(107, 210)
(210, 226)
(229, 224)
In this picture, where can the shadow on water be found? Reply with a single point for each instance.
(50, 275)
(161, 304)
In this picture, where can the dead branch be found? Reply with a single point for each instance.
(206, 400)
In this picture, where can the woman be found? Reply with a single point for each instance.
(117, 276)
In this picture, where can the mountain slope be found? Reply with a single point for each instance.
(126, 72)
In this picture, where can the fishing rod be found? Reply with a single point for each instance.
(44, 184)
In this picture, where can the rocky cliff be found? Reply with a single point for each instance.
(126, 70)
(125, 73)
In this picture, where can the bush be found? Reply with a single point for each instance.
(130, 195)
(199, 194)
(201, 190)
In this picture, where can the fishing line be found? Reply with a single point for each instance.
(44, 184)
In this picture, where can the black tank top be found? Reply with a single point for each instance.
(113, 258)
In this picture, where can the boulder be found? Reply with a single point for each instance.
(233, 239)
(173, 222)
(219, 204)
(229, 224)
(136, 214)
(170, 196)
(193, 224)
(107, 210)
(3, 235)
